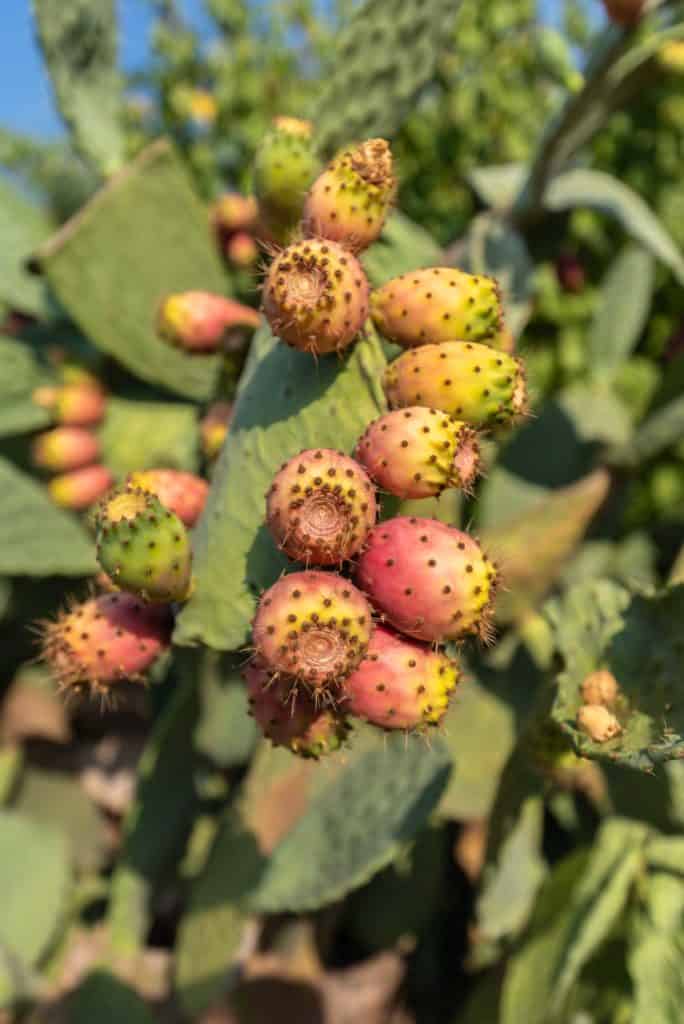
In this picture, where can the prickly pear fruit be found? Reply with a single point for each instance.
(313, 626)
(284, 167)
(471, 381)
(439, 304)
(429, 580)
(64, 448)
(400, 684)
(288, 716)
(241, 250)
(143, 546)
(316, 296)
(320, 507)
(625, 12)
(600, 687)
(74, 405)
(418, 452)
(104, 640)
(598, 723)
(350, 200)
(201, 321)
(214, 427)
(182, 493)
(80, 488)
(234, 212)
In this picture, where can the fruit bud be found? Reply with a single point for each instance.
(201, 321)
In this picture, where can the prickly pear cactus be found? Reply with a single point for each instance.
(635, 637)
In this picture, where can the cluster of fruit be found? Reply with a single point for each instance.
(366, 640)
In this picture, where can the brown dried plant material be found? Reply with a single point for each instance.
(598, 723)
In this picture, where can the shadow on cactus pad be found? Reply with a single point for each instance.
(638, 638)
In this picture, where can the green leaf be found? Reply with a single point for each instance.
(142, 236)
(638, 639)
(385, 54)
(149, 435)
(600, 191)
(509, 888)
(498, 185)
(623, 309)
(666, 853)
(106, 999)
(78, 39)
(656, 959)
(21, 374)
(34, 880)
(663, 429)
(36, 537)
(287, 402)
(211, 928)
(355, 823)
(576, 910)
(23, 227)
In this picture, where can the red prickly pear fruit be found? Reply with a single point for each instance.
(418, 453)
(104, 640)
(143, 546)
(570, 273)
(234, 212)
(214, 428)
(316, 296)
(626, 13)
(242, 251)
(64, 448)
(429, 580)
(182, 493)
(321, 507)
(313, 626)
(288, 716)
(201, 321)
(438, 304)
(80, 488)
(74, 405)
(400, 684)
(350, 200)
(472, 382)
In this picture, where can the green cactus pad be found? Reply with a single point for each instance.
(638, 638)
(143, 547)
(142, 236)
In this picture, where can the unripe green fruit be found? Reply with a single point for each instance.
(284, 167)
(143, 547)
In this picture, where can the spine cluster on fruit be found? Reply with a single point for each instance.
(358, 629)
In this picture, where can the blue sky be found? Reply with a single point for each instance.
(25, 99)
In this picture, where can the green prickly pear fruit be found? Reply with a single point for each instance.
(313, 626)
(315, 296)
(418, 452)
(470, 381)
(321, 507)
(104, 640)
(428, 580)
(284, 167)
(400, 684)
(182, 493)
(289, 717)
(201, 321)
(64, 448)
(350, 200)
(144, 547)
(439, 304)
(80, 488)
